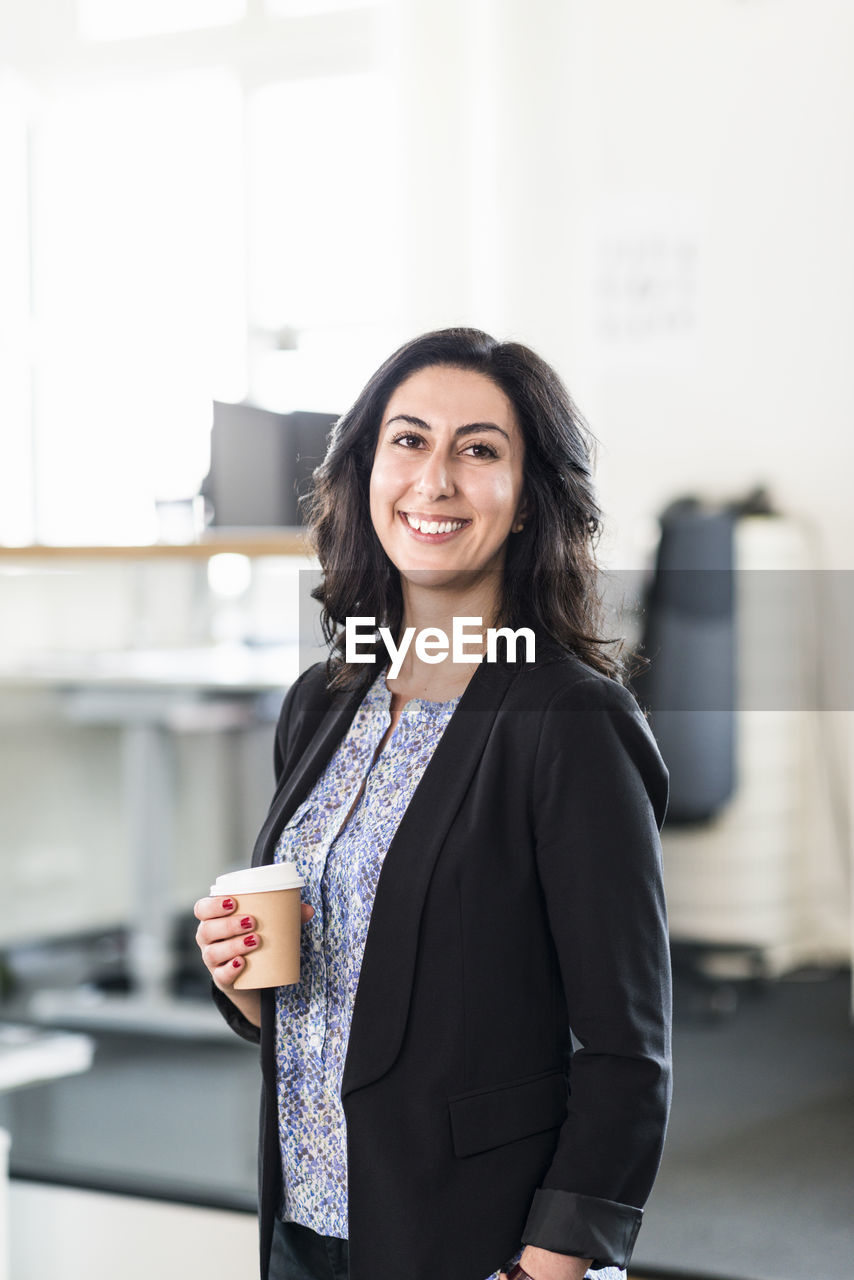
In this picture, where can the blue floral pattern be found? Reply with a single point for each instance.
(340, 861)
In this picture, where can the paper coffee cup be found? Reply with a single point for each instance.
(272, 895)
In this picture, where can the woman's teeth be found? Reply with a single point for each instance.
(434, 526)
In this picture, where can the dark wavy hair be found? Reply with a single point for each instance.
(551, 579)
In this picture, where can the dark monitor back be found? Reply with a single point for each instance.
(261, 462)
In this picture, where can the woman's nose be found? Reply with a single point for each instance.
(434, 479)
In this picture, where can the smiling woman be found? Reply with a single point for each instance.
(480, 850)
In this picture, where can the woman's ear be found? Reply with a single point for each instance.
(521, 516)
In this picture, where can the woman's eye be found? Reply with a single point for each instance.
(409, 440)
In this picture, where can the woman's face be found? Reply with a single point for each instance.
(447, 480)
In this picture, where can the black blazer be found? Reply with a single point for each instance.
(520, 897)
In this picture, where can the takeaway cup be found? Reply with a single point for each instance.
(272, 895)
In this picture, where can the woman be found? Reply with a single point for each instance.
(480, 843)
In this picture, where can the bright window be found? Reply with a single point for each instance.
(125, 19)
(323, 230)
(16, 494)
(139, 294)
(294, 8)
(177, 227)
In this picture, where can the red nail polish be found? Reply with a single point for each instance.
(250, 941)
(237, 963)
(228, 904)
(246, 922)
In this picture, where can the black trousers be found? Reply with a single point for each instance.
(299, 1253)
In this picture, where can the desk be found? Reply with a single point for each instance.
(153, 696)
(31, 1056)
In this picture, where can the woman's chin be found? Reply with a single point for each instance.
(420, 576)
(451, 577)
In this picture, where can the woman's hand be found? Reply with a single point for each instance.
(226, 936)
(542, 1264)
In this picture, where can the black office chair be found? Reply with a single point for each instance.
(690, 690)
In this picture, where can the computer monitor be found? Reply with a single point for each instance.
(261, 462)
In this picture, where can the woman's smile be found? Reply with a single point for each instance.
(432, 528)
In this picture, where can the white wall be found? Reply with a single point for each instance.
(542, 140)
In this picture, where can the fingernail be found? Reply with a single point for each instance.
(250, 941)
(246, 922)
(237, 963)
(228, 904)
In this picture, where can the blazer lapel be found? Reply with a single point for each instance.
(299, 782)
(388, 963)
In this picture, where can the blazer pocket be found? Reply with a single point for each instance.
(487, 1118)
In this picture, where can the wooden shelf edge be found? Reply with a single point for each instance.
(278, 542)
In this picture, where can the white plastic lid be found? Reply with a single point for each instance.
(278, 875)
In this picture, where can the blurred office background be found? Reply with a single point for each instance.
(216, 218)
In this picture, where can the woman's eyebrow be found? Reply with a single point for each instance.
(471, 428)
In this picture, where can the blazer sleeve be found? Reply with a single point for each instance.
(235, 1019)
(600, 797)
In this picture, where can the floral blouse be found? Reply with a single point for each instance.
(341, 866)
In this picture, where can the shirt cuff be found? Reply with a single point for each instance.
(235, 1019)
(583, 1226)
